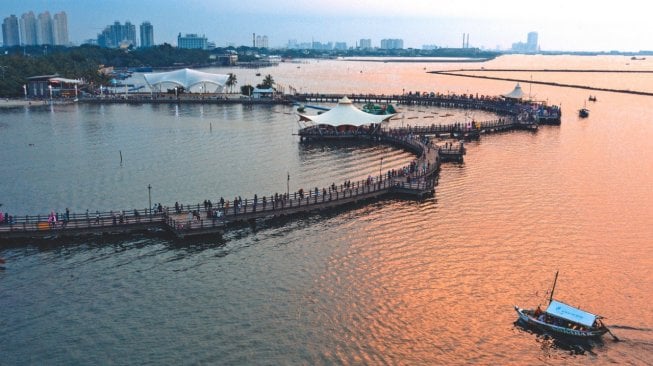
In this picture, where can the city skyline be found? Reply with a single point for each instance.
(561, 25)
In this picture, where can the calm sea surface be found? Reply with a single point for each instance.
(386, 282)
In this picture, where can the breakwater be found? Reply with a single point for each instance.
(550, 83)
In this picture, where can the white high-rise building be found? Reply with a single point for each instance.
(531, 42)
(44, 29)
(365, 44)
(28, 29)
(262, 41)
(60, 29)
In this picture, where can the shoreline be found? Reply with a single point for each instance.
(21, 103)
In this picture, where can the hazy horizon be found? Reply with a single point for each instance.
(561, 25)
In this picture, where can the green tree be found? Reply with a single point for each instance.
(231, 81)
(268, 82)
(246, 90)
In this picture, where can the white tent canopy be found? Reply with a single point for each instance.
(65, 81)
(517, 93)
(345, 113)
(564, 311)
(186, 78)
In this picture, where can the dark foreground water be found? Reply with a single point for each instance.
(387, 282)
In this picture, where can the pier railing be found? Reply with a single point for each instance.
(210, 216)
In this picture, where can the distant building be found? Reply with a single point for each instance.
(365, 44)
(10, 31)
(392, 44)
(429, 47)
(340, 46)
(60, 29)
(147, 35)
(531, 42)
(261, 42)
(117, 35)
(530, 46)
(28, 29)
(192, 41)
(44, 34)
(319, 46)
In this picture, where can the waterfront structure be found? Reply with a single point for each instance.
(516, 94)
(187, 78)
(147, 35)
(343, 118)
(342, 122)
(260, 93)
(365, 44)
(60, 29)
(117, 35)
(392, 44)
(44, 34)
(47, 86)
(192, 41)
(10, 32)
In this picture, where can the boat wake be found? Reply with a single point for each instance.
(628, 327)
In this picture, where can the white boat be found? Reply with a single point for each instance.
(562, 319)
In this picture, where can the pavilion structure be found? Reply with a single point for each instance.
(516, 94)
(342, 120)
(186, 78)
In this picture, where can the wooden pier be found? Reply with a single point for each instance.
(199, 219)
(418, 180)
(538, 112)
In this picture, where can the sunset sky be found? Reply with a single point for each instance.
(561, 24)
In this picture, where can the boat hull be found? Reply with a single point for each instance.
(526, 317)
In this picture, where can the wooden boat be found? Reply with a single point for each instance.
(583, 113)
(562, 319)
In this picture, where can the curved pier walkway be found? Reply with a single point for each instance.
(419, 179)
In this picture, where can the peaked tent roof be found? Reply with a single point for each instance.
(186, 78)
(345, 113)
(564, 311)
(516, 93)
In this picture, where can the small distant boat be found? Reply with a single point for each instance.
(592, 98)
(258, 74)
(562, 319)
(583, 113)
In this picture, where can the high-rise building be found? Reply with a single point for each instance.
(117, 35)
(28, 29)
(10, 31)
(365, 44)
(392, 44)
(261, 41)
(60, 29)
(530, 46)
(531, 42)
(44, 34)
(340, 46)
(192, 40)
(147, 35)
